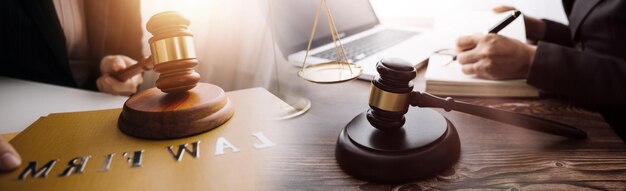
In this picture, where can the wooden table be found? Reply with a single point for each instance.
(494, 156)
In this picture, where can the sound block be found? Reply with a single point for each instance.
(426, 145)
(152, 114)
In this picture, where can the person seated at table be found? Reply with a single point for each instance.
(73, 43)
(584, 62)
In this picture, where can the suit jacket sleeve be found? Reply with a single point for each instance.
(582, 76)
(557, 33)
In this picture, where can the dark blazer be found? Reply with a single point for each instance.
(33, 44)
(585, 62)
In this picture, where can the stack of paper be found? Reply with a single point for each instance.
(446, 78)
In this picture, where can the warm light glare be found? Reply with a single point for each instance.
(234, 46)
(386, 9)
(189, 8)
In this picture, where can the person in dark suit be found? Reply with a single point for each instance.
(73, 43)
(45, 41)
(584, 62)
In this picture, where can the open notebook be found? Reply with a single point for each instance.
(446, 78)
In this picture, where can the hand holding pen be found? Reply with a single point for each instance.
(495, 57)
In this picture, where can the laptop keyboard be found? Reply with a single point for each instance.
(366, 46)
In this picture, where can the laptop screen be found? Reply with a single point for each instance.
(293, 20)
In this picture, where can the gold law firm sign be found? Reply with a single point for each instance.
(86, 151)
(77, 164)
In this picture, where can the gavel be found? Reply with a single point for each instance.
(173, 54)
(179, 106)
(392, 93)
(393, 143)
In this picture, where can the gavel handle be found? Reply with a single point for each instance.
(422, 99)
(129, 72)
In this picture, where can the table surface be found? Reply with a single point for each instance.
(23, 102)
(494, 155)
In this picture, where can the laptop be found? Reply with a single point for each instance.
(365, 40)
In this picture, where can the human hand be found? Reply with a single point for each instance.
(108, 84)
(535, 28)
(494, 57)
(9, 159)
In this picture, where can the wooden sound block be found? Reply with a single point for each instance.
(153, 114)
(426, 145)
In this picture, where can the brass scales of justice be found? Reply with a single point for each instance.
(336, 71)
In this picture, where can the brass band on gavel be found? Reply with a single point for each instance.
(173, 48)
(388, 101)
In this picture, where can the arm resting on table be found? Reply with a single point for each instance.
(584, 77)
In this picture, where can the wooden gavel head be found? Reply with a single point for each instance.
(390, 93)
(173, 52)
(381, 145)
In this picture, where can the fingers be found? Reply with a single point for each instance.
(481, 47)
(469, 69)
(468, 51)
(474, 60)
(112, 63)
(470, 56)
(468, 42)
(503, 8)
(9, 159)
(102, 85)
(128, 61)
(108, 84)
(480, 69)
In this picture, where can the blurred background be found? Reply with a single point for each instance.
(236, 49)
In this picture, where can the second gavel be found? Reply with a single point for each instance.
(173, 55)
(391, 96)
(392, 142)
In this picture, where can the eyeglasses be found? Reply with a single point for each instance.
(447, 52)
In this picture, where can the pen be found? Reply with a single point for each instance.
(496, 28)
(505, 22)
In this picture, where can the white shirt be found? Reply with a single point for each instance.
(71, 14)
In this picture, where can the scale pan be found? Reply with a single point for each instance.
(330, 72)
